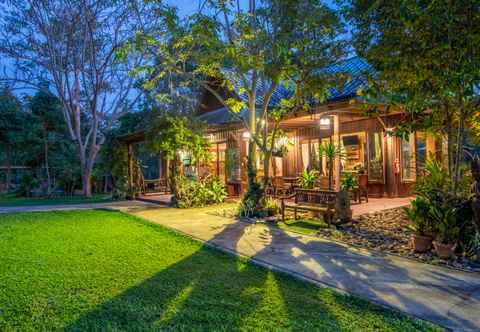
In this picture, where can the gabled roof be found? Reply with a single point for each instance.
(355, 68)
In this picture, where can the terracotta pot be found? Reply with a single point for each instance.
(445, 251)
(421, 243)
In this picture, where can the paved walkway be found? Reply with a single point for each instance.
(126, 206)
(443, 296)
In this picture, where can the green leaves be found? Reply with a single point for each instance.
(171, 134)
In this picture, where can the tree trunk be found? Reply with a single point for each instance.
(173, 181)
(330, 173)
(266, 168)
(47, 166)
(86, 182)
(459, 150)
(9, 168)
(450, 142)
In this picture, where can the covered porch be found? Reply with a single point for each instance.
(387, 165)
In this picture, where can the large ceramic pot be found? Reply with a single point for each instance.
(445, 251)
(421, 243)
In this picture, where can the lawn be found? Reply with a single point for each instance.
(12, 200)
(101, 270)
(306, 226)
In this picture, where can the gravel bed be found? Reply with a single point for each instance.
(387, 231)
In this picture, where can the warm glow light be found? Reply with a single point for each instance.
(246, 135)
(324, 122)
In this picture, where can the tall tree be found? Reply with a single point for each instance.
(427, 57)
(72, 45)
(250, 51)
(45, 107)
(11, 129)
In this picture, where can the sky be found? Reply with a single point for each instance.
(185, 7)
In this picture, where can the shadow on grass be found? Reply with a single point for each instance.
(206, 291)
(210, 290)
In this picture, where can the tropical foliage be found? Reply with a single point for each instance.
(348, 181)
(308, 179)
(426, 56)
(248, 51)
(191, 192)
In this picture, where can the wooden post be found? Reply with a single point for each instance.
(390, 158)
(431, 146)
(130, 170)
(336, 142)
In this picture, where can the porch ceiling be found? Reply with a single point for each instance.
(312, 120)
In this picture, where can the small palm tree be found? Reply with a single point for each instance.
(330, 151)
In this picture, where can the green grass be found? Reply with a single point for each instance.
(99, 270)
(12, 200)
(303, 226)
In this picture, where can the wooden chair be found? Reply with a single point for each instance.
(362, 189)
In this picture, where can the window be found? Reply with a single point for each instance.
(420, 151)
(375, 157)
(408, 158)
(354, 146)
(217, 163)
(310, 155)
(277, 166)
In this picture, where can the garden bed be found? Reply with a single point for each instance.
(387, 231)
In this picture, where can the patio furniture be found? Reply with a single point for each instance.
(329, 204)
(361, 190)
(157, 185)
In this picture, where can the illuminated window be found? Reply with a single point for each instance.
(408, 158)
(310, 154)
(420, 151)
(375, 157)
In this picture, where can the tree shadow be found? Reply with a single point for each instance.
(210, 290)
(373, 276)
(193, 294)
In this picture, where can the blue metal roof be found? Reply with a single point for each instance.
(355, 68)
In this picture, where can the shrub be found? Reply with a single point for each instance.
(191, 192)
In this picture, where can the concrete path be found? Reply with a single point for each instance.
(443, 296)
(126, 206)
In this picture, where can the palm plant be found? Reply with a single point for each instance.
(330, 151)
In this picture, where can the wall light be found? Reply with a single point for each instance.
(325, 123)
(246, 135)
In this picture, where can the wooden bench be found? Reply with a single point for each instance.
(330, 204)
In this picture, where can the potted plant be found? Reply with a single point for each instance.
(349, 182)
(475, 244)
(418, 214)
(445, 218)
(308, 179)
(270, 206)
(331, 151)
